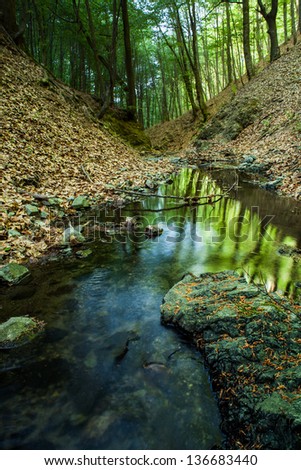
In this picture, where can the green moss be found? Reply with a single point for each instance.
(118, 124)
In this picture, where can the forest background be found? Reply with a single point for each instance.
(155, 58)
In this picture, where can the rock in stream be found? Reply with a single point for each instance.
(251, 342)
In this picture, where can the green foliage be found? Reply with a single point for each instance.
(57, 34)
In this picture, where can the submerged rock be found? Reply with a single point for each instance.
(84, 253)
(130, 223)
(250, 340)
(287, 250)
(17, 331)
(152, 231)
(13, 273)
(272, 185)
(73, 236)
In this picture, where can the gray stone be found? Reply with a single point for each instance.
(249, 158)
(272, 185)
(73, 236)
(44, 215)
(39, 223)
(251, 344)
(84, 253)
(32, 210)
(12, 273)
(81, 202)
(54, 202)
(16, 330)
(13, 233)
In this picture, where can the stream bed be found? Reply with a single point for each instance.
(106, 374)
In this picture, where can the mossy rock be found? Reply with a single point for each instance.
(13, 273)
(250, 340)
(17, 331)
(119, 124)
(81, 202)
(231, 120)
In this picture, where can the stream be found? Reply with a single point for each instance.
(106, 374)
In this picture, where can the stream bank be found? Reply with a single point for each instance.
(103, 343)
(250, 340)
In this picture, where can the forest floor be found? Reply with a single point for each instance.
(261, 119)
(54, 149)
(53, 146)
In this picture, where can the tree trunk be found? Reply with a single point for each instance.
(246, 38)
(8, 17)
(113, 54)
(299, 17)
(258, 36)
(131, 94)
(99, 80)
(228, 45)
(165, 111)
(272, 27)
(285, 21)
(293, 19)
(196, 61)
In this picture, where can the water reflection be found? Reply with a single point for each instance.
(243, 231)
(85, 383)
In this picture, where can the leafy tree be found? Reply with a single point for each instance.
(156, 58)
(270, 18)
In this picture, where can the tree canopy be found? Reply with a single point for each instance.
(154, 58)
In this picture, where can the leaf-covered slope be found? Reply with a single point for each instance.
(52, 144)
(264, 120)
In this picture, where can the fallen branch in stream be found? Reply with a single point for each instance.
(191, 201)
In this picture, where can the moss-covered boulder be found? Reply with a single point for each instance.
(18, 330)
(13, 273)
(251, 342)
(81, 202)
(120, 123)
(231, 120)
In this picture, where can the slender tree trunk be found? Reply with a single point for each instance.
(246, 38)
(8, 20)
(228, 45)
(272, 27)
(293, 19)
(165, 110)
(285, 21)
(219, 84)
(61, 63)
(113, 55)
(72, 66)
(131, 94)
(196, 60)
(185, 72)
(82, 69)
(42, 31)
(210, 84)
(299, 16)
(99, 80)
(258, 36)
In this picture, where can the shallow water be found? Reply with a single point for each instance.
(106, 374)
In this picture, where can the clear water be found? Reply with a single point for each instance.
(106, 374)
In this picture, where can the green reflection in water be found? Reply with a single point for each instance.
(238, 232)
